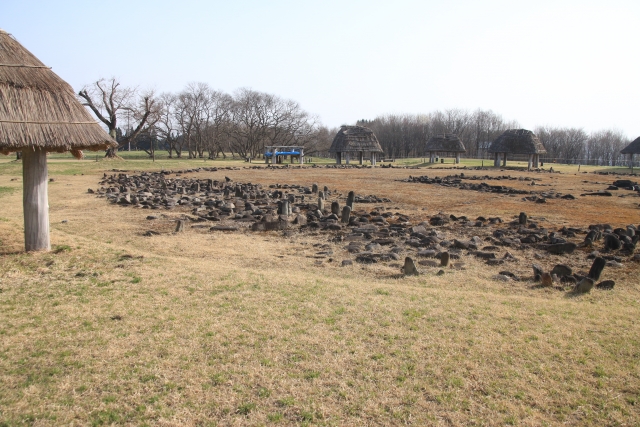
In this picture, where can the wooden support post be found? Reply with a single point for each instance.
(274, 158)
(504, 160)
(457, 158)
(536, 161)
(301, 158)
(530, 164)
(35, 200)
(346, 158)
(338, 158)
(373, 159)
(496, 160)
(360, 156)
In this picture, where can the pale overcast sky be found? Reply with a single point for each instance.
(559, 63)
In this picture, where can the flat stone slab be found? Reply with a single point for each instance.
(224, 228)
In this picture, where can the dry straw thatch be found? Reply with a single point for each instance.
(633, 148)
(517, 141)
(445, 142)
(355, 139)
(38, 109)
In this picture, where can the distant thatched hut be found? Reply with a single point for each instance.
(631, 149)
(517, 141)
(39, 113)
(444, 143)
(355, 139)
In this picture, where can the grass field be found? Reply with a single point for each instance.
(200, 328)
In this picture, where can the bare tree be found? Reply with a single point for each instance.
(108, 100)
(167, 124)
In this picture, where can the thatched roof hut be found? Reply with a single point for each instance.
(633, 148)
(39, 113)
(355, 139)
(517, 141)
(39, 110)
(445, 142)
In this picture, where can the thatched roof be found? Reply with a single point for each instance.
(633, 148)
(446, 142)
(517, 141)
(38, 109)
(354, 139)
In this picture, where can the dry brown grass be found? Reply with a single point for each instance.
(203, 328)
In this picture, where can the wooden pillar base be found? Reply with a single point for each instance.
(35, 200)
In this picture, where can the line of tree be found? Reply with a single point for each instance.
(406, 136)
(201, 122)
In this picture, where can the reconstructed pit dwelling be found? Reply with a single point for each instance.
(518, 142)
(631, 149)
(444, 143)
(356, 140)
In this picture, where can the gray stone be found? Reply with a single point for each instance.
(522, 219)
(179, 226)
(560, 248)
(224, 228)
(335, 207)
(269, 226)
(346, 214)
(427, 253)
(283, 207)
(409, 268)
(584, 286)
(373, 247)
(350, 199)
(537, 272)
(562, 270)
(612, 242)
(614, 264)
(444, 259)
(596, 268)
(606, 285)
(546, 280)
(345, 262)
(300, 220)
(485, 255)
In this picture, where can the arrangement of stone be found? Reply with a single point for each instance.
(378, 235)
(457, 181)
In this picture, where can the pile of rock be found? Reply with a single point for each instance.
(375, 235)
(458, 181)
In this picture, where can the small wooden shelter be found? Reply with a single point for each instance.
(518, 142)
(631, 149)
(39, 113)
(356, 140)
(444, 143)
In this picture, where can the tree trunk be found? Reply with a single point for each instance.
(35, 200)
(112, 153)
